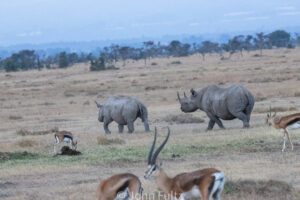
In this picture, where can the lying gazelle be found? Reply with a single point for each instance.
(120, 187)
(284, 123)
(205, 184)
(65, 136)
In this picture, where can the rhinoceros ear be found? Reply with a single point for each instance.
(193, 92)
(98, 104)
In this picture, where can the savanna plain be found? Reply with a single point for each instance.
(35, 103)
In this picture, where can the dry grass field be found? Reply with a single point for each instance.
(33, 103)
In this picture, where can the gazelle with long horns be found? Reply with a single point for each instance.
(205, 183)
(284, 123)
(120, 187)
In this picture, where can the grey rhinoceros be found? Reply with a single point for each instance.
(220, 103)
(123, 110)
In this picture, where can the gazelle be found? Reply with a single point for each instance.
(120, 187)
(65, 136)
(205, 183)
(284, 123)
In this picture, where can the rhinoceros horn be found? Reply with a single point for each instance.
(184, 95)
(178, 96)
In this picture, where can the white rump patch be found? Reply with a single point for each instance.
(294, 126)
(67, 140)
(194, 193)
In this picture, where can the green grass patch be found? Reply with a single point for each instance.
(14, 156)
(107, 154)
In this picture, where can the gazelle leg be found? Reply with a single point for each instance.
(288, 136)
(54, 148)
(284, 140)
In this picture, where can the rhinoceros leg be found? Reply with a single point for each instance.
(146, 125)
(213, 120)
(121, 128)
(105, 126)
(243, 117)
(130, 126)
(211, 124)
(220, 124)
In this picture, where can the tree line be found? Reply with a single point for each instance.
(108, 56)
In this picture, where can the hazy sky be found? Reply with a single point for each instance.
(39, 21)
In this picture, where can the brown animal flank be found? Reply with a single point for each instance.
(283, 123)
(120, 186)
(205, 183)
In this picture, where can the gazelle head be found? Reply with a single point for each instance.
(74, 144)
(270, 118)
(153, 167)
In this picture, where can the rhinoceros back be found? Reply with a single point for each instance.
(122, 109)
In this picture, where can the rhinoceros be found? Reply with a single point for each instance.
(123, 110)
(220, 103)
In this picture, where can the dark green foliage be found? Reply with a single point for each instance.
(98, 65)
(279, 38)
(177, 49)
(6, 156)
(23, 60)
(63, 61)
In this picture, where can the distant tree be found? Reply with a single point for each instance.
(124, 53)
(98, 64)
(208, 47)
(39, 64)
(63, 60)
(149, 48)
(72, 58)
(174, 48)
(10, 66)
(178, 49)
(260, 41)
(279, 38)
(298, 39)
(237, 44)
(23, 60)
(248, 45)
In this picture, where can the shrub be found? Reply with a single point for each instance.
(177, 62)
(15, 117)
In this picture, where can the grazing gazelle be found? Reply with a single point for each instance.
(284, 123)
(120, 187)
(205, 183)
(65, 136)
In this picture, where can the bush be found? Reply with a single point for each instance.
(177, 62)
(97, 65)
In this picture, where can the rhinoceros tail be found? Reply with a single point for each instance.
(144, 116)
(143, 112)
(251, 101)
